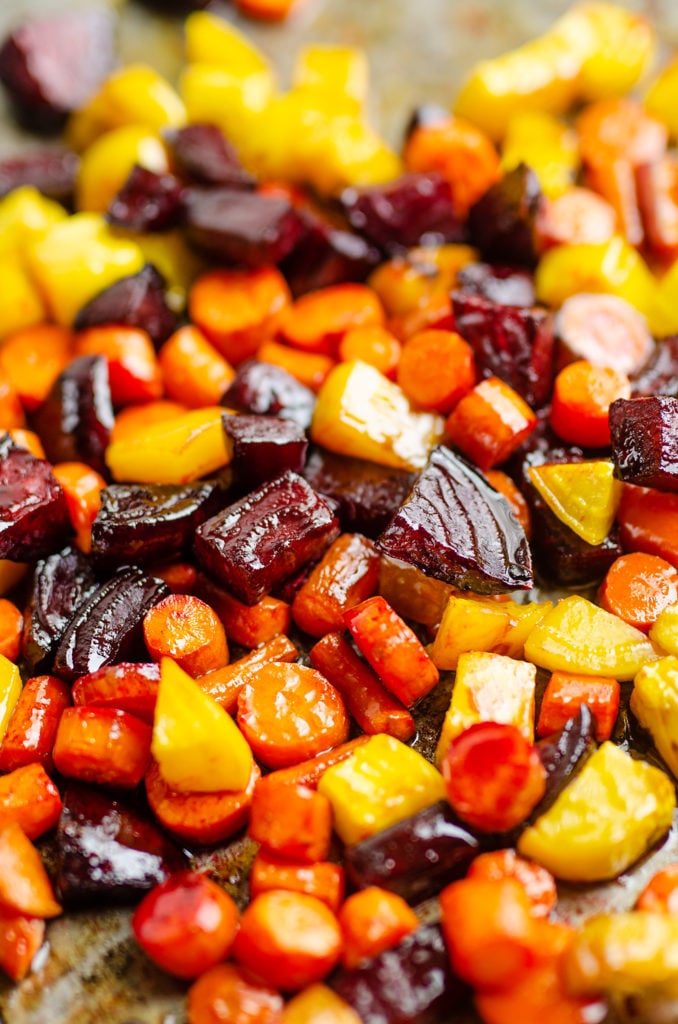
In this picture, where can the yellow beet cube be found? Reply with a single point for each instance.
(26, 215)
(10, 688)
(341, 71)
(468, 625)
(22, 303)
(654, 702)
(213, 40)
(545, 144)
(524, 617)
(583, 495)
(235, 102)
(664, 630)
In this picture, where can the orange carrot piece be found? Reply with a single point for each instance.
(186, 629)
(25, 887)
(129, 686)
(29, 440)
(133, 419)
(82, 486)
(566, 692)
(322, 879)
(11, 409)
(11, 627)
(33, 358)
(372, 921)
(615, 180)
(582, 396)
(245, 624)
(373, 344)
(33, 725)
(224, 684)
(538, 883)
(310, 368)
(29, 798)
(317, 321)
(133, 368)
(180, 577)
(194, 371)
(237, 310)
(369, 703)
(103, 745)
(648, 521)
(266, 10)
(436, 369)
(433, 312)
(203, 818)
(657, 186)
(637, 587)
(291, 821)
(660, 895)
(289, 939)
(310, 772)
(392, 649)
(490, 422)
(20, 939)
(347, 574)
(226, 994)
(288, 712)
(505, 485)
(577, 216)
(620, 128)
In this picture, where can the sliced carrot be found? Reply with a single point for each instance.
(322, 879)
(133, 368)
(291, 821)
(186, 629)
(615, 181)
(660, 895)
(310, 368)
(505, 485)
(582, 396)
(539, 884)
(129, 686)
(226, 994)
(637, 587)
(310, 772)
(620, 128)
(372, 921)
(29, 440)
(11, 626)
(33, 358)
(288, 713)
(566, 692)
(436, 369)
(434, 312)
(103, 745)
(20, 939)
(246, 624)
(25, 887)
(490, 422)
(374, 344)
(32, 728)
(347, 574)
(11, 410)
(194, 371)
(648, 521)
(133, 419)
(266, 10)
(317, 321)
(29, 798)
(577, 216)
(82, 486)
(224, 684)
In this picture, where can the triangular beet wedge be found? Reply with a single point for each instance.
(457, 528)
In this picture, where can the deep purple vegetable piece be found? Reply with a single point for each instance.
(563, 754)
(458, 529)
(51, 66)
(148, 201)
(415, 209)
(264, 447)
(52, 171)
(508, 286)
(137, 300)
(256, 543)
(107, 627)
(107, 851)
(141, 524)
(61, 583)
(510, 342)
(267, 390)
(202, 155)
(502, 222)
(244, 229)
(326, 255)
(644, 434)
(34, 518)
(659, 376)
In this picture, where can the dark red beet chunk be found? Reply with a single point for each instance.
(34, 518)
(502, 222)
(644, 435)
(256, 543)
(74, 422)
(61, 583)
(659, 376)
(147, 202)
(107, 627)
(411, 983)
(51, 171)
(457, 528)
(51, 66)
(136, 301)
(513, 343)
(508, 286)
(364, 494)
(264, 447)
(245, 229)
(415, 858)
(142, 524)
(201, 154)
(267, 390)
(107, 851)
(416, 209)
(564, 754)
(327, 255)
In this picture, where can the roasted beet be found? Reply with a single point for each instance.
(107, 851)
(202, 155)
(51, 66)
(107, 627)
(268, 390)
(411, 983)
(502, 222)
(327, 255)
(510, 342)
(416, 857)
(74, 422)
(364, 494)
(644, 435)
(245, 229)
(142, 524)
(659, 376)
(564, 753)
(256, 543)
(264, 447)
(61, 583)
(147, 202)
(51, 171)
(136, 301)
(415, 209)
(34, 518)
(457, 528)
(508, 286)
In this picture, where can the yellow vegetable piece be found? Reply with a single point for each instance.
(10, 688)
(76, 259)
(233, 101)
(468, 625)
(661, 100)
(22, 304)
(545, 144)
(212, 40)
(623, 46)
(664, 630)
(197, 745)
(613, 811)
(356, 155)
(338, 70)
(489, 688)
(524, 617)
(381, 783)
(178, 263)
(583, 495)
(578, 636)
(654, 702)
(106, 165)
(318, 1004)
(625, 954)
(404, 281)
(174, 451)
(360, 412)
(26, 215)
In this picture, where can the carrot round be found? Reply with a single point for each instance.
(637, 587)
(226, 994)
(372, 921)
(436, 368)
(538, 883)
(11, 625)
(582, 396)
(102, 745)
(373, 344)
(577, 216)
(317, 321)
(193, 371)
(33, 358)
(184, 628)
(323, 879)
(620, 129)
(29, 798)
(289, 713)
